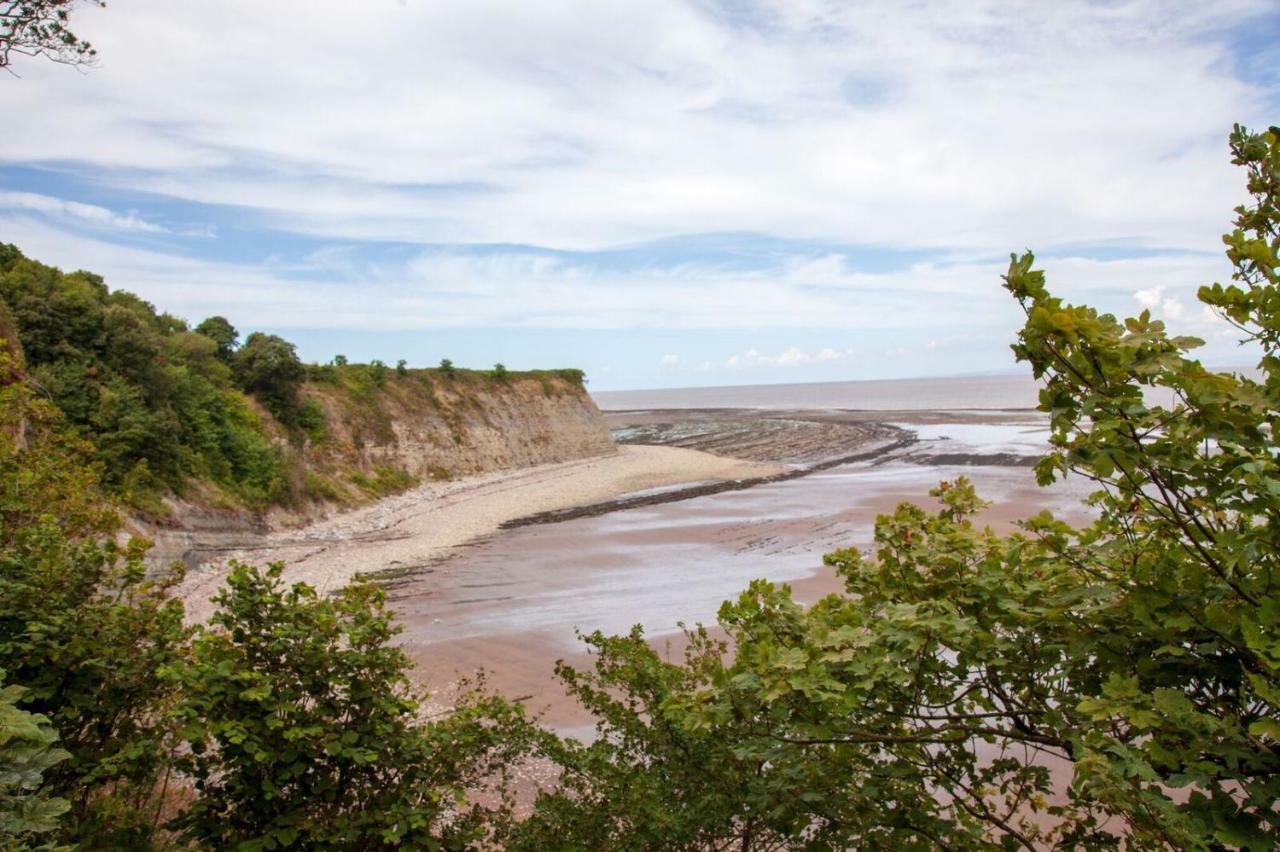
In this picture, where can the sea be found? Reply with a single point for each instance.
(955, 393)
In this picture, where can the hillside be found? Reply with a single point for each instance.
(185, 419)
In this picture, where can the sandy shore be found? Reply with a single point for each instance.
(513, 603)
(421, 526)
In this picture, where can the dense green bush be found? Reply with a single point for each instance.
(377, 373)
(268, 367)
(82, 630)
(303, 729)
(154, 398)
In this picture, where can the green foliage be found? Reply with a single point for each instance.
(223, 334)
(385, 480)
(402, 367)
(377, 372)
(267, 366)
(499, 373)
(327, 373)
(303, 729)
(153, 398)
(339, 360)
(447, 369)
(27, 750)
(577, 378)
(649, 782)
(81, 628)
(294, 712)
(311, 420)
(925, 706)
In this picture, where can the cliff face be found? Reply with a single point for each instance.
(369, 434)
(429, 426)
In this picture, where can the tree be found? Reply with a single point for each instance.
(40, 28)
(339, 360)
(929, 705)
(154, 399)
(447, 368)
(223, 333)
(648, 782)
(82, 629)
(499, 373)
(402, 367)
(268, 367)
(303, 730)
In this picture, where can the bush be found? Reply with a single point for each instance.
(312, 421)
(82, 629)
(326, 373)
(303, 730)
(377, 372)
(267, 366)
(385, 480)
(499, 373)
(447, 369)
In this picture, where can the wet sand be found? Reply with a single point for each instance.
(415, 530)
(512, 604)
(582, 552)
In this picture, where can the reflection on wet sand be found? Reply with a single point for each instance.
(511, 604)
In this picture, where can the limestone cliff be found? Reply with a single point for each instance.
(432, 426)
(368, 433)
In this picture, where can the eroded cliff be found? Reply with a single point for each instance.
(366, 434)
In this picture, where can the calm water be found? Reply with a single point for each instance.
(955, 393)
(660, 565)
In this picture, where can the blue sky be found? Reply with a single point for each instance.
(663, 193)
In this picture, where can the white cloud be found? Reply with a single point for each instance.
(792, 356)
(1150, 297)
(991, 125)
(90, 214)
(335, 290)
(670, 361)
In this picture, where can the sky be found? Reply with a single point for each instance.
(662, 193)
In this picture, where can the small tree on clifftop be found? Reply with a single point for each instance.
(268, 367)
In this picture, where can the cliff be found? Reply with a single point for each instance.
(370, 433)
(426, 425)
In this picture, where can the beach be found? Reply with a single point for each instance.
(515, 603)
(502, 572)
(414, 530)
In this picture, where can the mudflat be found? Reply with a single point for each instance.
(501, 572)
(515, 603)
(414, 530)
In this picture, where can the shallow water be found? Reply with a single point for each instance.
(676, 562)
(945, 394)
